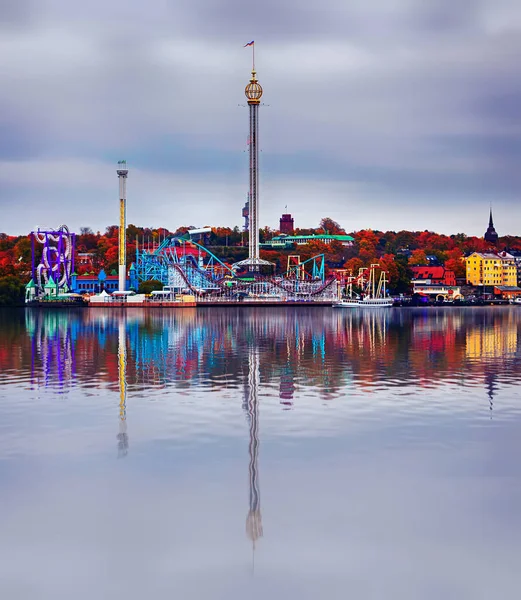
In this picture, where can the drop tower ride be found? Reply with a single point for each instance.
(122, 172)
(253, 93)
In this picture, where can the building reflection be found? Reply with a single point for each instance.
(332, 351)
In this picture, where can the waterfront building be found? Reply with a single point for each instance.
(287, 241)
(437, 291)
(517, 259)
(95, 283)
(508, 292)
(433, 275)
(436, 282)
(491, 269)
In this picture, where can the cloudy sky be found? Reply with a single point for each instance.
(390, 114)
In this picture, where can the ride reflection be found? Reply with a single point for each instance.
(329, 350)
(254, 519)
(122, 436)
(53, 348)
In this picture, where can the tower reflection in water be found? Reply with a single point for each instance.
(122, 372)
(254, 518)
(333, 352)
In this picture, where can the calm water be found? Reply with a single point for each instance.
(259, 453)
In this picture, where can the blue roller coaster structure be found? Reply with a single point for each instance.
(175, 257)
(185, 265)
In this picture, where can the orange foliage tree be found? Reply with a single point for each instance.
(456, 262)
(418, 257)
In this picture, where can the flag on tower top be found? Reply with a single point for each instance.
(249, 44)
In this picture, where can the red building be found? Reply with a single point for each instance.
(433, 275)
(286, 224)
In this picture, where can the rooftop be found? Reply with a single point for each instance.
(492, 255)
(317, 236)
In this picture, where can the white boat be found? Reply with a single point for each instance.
(364, 303)
(373, 295)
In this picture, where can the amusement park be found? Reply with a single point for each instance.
(188, 271)
(189, 267)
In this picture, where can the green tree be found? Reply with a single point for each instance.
(147, 287)
(12, 291)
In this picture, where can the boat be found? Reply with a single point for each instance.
(366, 302)
(373, 295)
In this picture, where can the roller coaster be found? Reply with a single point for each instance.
(186, 266)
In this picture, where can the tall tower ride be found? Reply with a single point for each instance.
(122, 176)
(253, 93)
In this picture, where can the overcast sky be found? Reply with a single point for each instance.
(390, 114)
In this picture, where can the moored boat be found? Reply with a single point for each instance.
(373, 295)
(366, 302)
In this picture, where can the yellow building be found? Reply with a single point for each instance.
(489, 268)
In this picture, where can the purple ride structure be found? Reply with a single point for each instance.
(53, 274)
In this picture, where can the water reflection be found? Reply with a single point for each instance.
(122, 369)
(254, 518)
(375, 434)
(329, 351)
(53, 347)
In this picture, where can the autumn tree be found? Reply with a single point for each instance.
(456, 262)
(327, 225)
(418, 257)
(353, 265)
(388, 264)
(366, 242)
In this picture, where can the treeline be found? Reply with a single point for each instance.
(394, 251)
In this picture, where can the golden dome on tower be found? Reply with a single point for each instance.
(253, 91)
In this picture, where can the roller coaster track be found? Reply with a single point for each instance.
(287, 288)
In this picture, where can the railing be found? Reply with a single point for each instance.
(260, 300)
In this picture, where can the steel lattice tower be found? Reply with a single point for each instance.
(253, 93)
(122, 172)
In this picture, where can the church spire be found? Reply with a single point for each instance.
(490, 235)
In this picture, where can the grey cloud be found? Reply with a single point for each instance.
(395, 94)
(19, 14)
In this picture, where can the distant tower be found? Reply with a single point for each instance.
(286, 224)
(253, 92)
(490, 235)
(246, 214)
(122, 175)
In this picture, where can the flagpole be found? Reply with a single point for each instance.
(253, 51)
